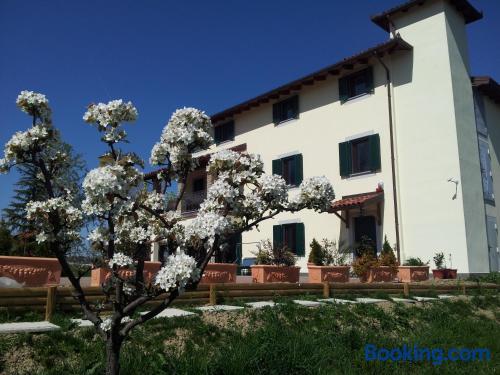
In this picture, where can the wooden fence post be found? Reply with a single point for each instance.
(50, 305)
(463, 289)
(213, 295)
(406, 289)
(326, 289)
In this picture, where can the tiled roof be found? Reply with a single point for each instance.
(356, 200)
(469, 13)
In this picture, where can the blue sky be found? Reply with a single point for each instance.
(162, 55)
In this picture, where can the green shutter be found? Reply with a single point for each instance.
(277, 235)
(369, 79)
(295, 104)
(277, 167)
(345, 159)
(231, 130)
(217, 134)
(300, 240)
(298, 162)
(374, 142)
(343, 89)
(276, 113)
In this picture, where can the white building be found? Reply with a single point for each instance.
(405, 113)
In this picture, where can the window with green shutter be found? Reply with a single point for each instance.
(286, 109)
(359, 155)
(290, 168)
(356, 84)
(224, 132)
(292, 236)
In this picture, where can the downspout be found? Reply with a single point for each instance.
(393, 161)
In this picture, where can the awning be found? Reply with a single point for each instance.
(354, 201)
(357, 201)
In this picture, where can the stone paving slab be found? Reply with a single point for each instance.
(424, 299)
(337, 300)
(219, 308)
(82, 323)
(404, 300)
(261, 304)
(445, 296)
(370, 300)
(307, 303)
(27, 327)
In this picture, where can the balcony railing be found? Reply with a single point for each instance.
(191, 201)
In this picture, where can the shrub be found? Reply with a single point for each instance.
(415, 262)
(439, 260)
(363, 263)
(387, 257)
(274, 255)
(328, 253)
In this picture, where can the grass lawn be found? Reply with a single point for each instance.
(288, 339)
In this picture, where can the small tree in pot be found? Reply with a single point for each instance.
(369, 267)
(441, 271)
(328, 262)
(274, 263)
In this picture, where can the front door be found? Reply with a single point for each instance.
(492, 234)
(365, 226)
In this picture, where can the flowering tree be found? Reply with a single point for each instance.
(132, 213)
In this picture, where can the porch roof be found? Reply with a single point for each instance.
(357, 200)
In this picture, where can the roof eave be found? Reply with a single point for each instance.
(395, 44)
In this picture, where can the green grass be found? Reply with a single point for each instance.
(286, 340)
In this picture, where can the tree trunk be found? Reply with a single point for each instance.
(113, 346)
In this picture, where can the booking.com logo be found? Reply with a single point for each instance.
(436, 356)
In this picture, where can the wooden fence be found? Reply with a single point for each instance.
(50, 299)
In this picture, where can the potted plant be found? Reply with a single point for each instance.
(441, 271)
(221, 270)
(327, 262)
(413, 269)
(274, 264)
(370, 268)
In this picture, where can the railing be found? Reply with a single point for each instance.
(50, 299)
(191, 201)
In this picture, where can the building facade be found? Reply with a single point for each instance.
(409, 140)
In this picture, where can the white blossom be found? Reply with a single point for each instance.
(316, 193)
(204, 228)
(187, 131)
(107, 323)
(43, 214)
(104, 186)
(120, 260)
(178, 270)
(273, 188)
(34, 104)
(112, 113)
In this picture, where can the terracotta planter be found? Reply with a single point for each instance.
(219, 273)
(408, 274)
(336, 274)
(379, 274)
(100, 275)
(444, 273)
(275, 274)
(31, 271)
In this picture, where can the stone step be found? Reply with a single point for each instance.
(28, 327)
(337, 300)
(445, 296)
(424, 299)
(215, 308)
(307, 303)
(370, 300)
(404, 300)
(83, 323)
(261, 304)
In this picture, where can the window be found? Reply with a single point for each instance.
(286, 110)
(290, 168)
(359, 155)
(486, 174)
(224, 132)
(291, 236)
(356, 84)
(198, 184)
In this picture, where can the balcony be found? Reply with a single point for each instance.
(191, 202)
